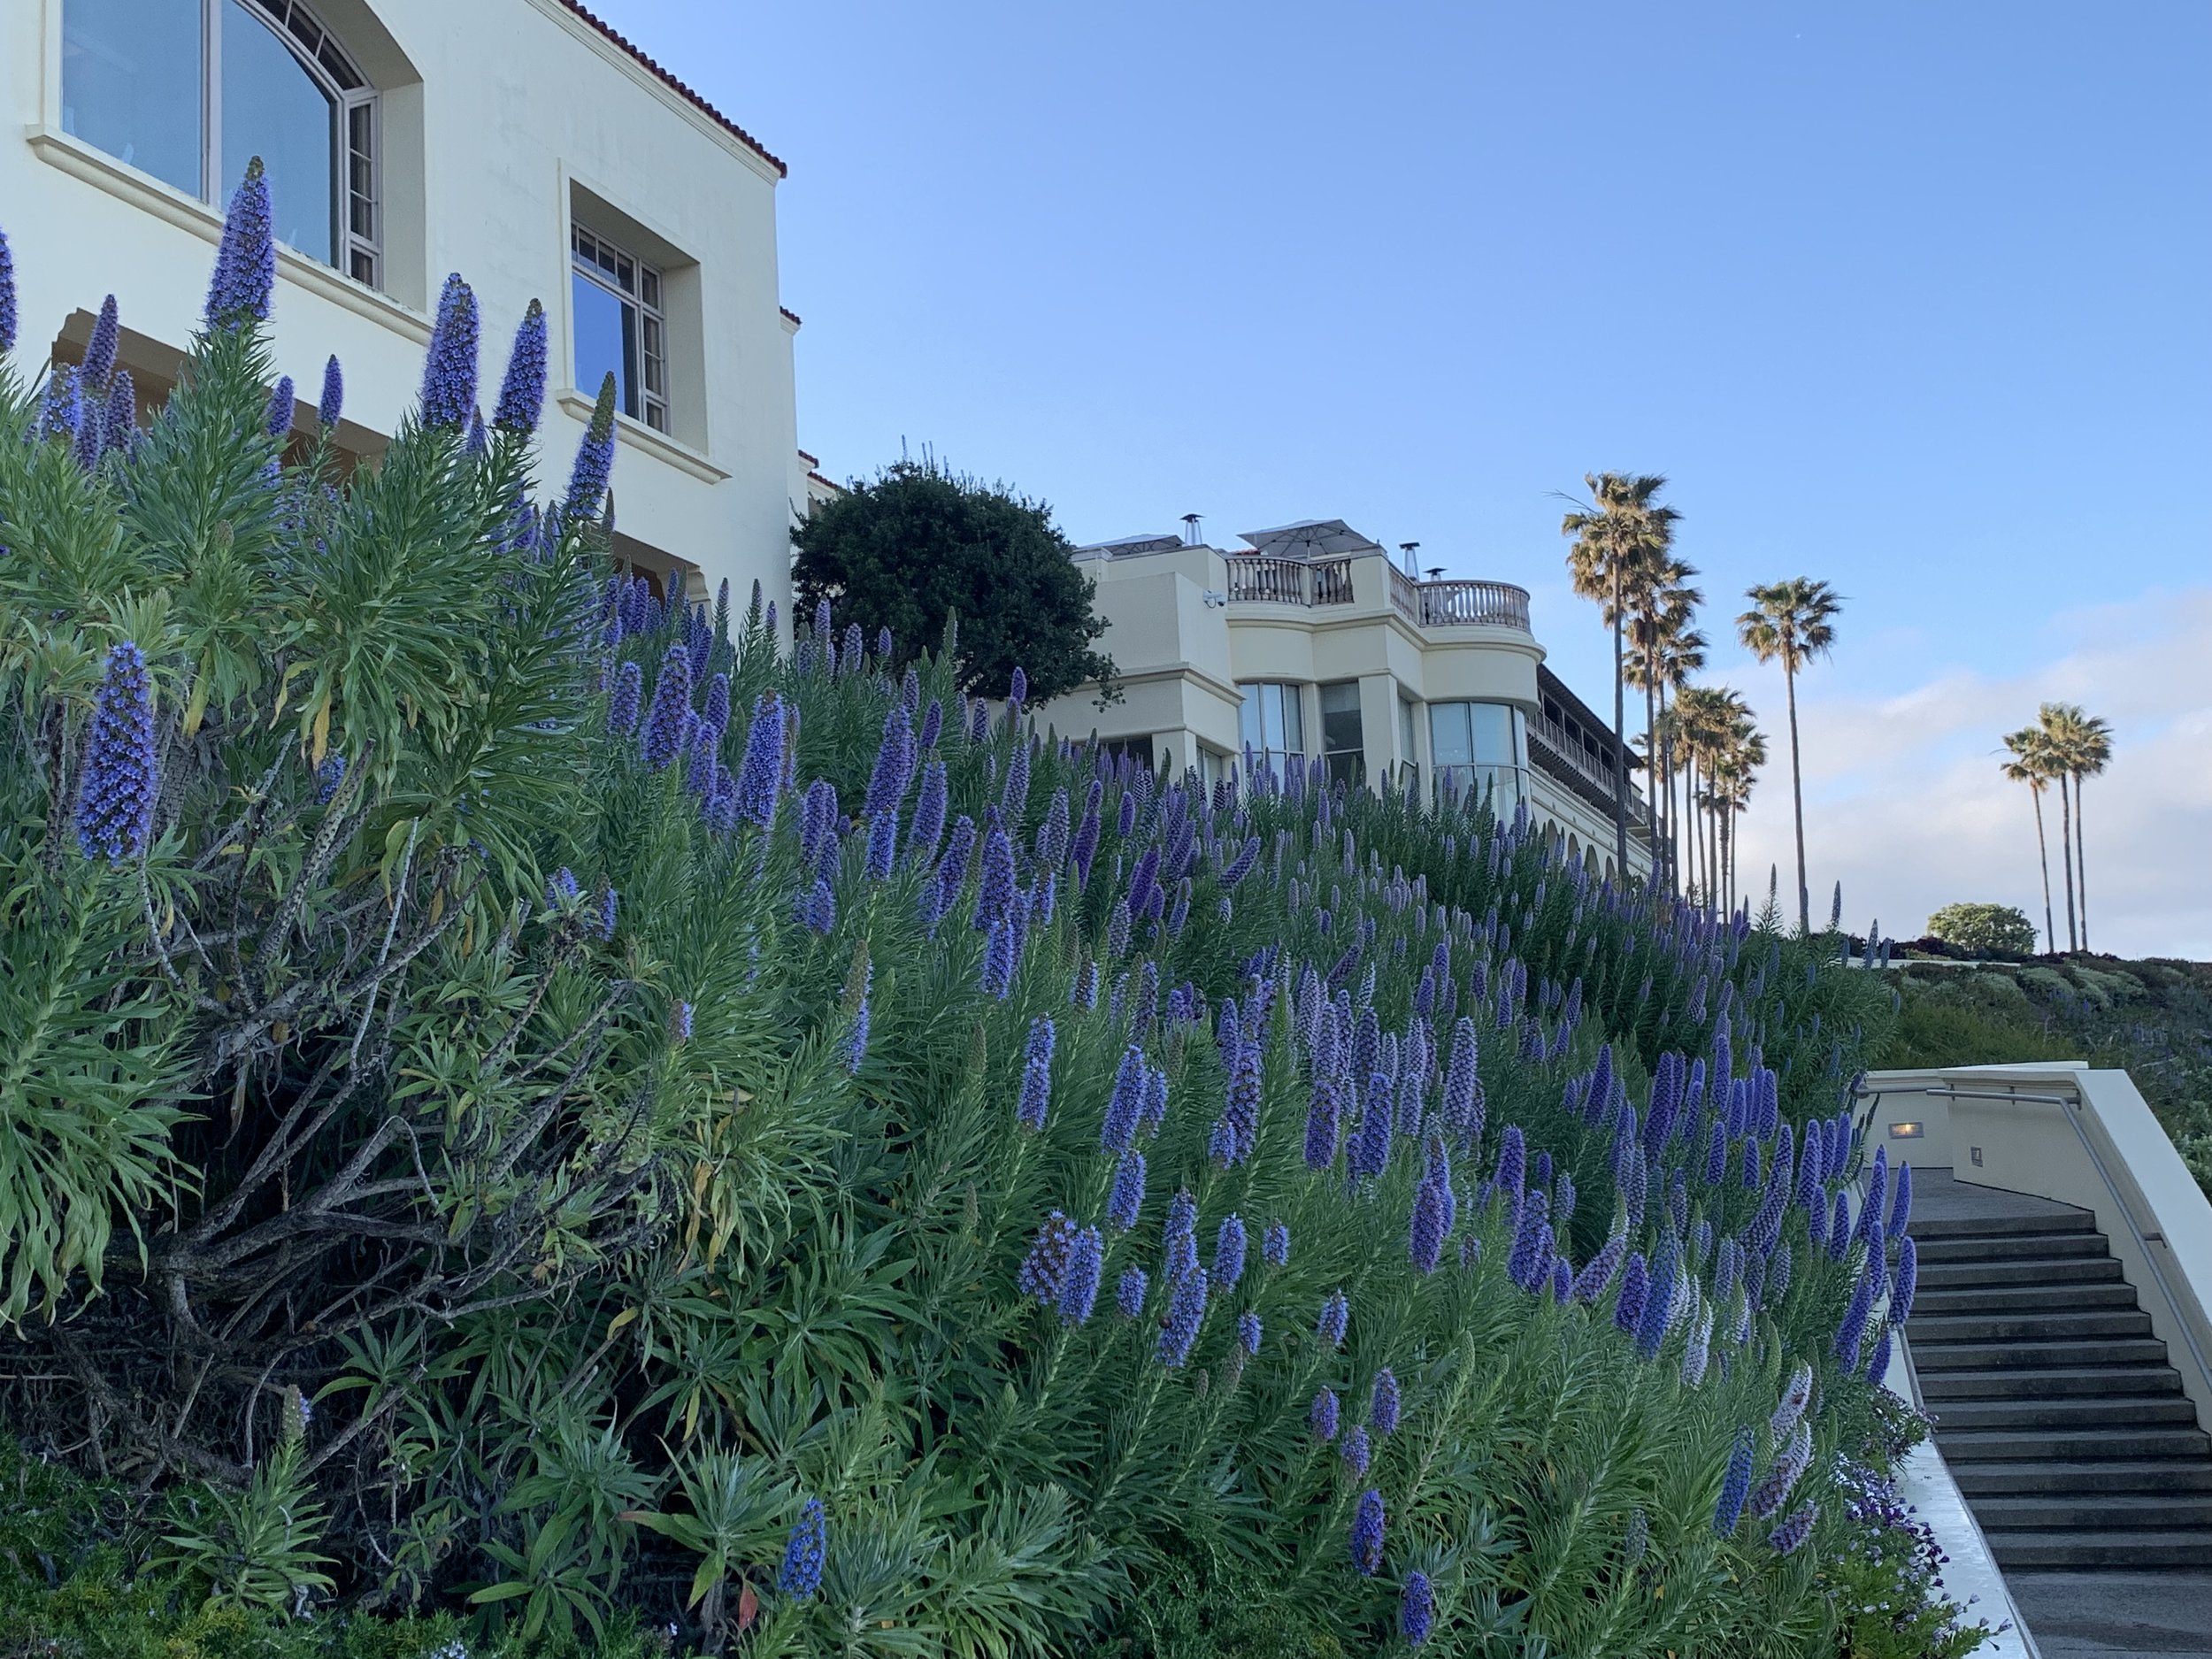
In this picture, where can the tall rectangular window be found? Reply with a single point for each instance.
(1482, 748)
(620, 328)
(1343, 745)
(1272, 726)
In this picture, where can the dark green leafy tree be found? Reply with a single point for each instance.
(2001, 929)
(904, 550)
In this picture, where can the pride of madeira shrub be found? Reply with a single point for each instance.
(534, 1115)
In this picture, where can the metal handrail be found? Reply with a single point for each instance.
(2119, 1202)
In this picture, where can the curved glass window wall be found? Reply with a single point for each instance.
(1480, 748)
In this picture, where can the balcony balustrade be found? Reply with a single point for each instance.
(1473, 605)
(1258, 579)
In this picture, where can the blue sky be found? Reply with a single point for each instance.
(1911, 298)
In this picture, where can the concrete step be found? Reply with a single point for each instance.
(2059, 1476)
(2122, 1549)
(2073, 1443)
(2134, 1511)
(2176, 1411)
(2077, 1269)
(2001, 1226)
(2005, 1247)
(1967, 1298)
(2021, 1354)
(2053, 1325)
(2104, 1381)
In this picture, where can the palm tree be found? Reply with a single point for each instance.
(1618, 542)
(1735, 770)
(1706, 721)
(2081, 744)
(1793, 621)
(2031, 764)
(1664, 649)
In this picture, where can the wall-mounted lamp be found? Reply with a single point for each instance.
(1906, 1131)
(1213, 599)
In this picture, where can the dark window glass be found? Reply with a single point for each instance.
(131, 81)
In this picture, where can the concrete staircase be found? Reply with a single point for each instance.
(2056, 1408)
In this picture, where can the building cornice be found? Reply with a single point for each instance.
(618, 49)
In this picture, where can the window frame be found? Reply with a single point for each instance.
(350, 251)
(1290, 708)
(654, 408)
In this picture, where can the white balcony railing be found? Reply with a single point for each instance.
(1259, 578)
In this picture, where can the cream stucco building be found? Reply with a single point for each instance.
(1312, 643)
(520, 142)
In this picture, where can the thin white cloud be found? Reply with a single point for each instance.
(1904, 801)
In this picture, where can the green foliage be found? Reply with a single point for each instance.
(254, 1547)
(1984, 929)
(601, 1250)
(2152, 1019)
(917, 541)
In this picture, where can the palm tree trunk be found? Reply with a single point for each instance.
(1620, 745)
(2066, 856)
(1651, 765)
(1666, 784)
(2043, 856)
(2081, 857)
(1797, 800)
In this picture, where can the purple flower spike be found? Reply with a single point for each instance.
(1384, 1404)
(1129, 1293)
(278, 420)
(1078, 1289)
(1249, 1332)
(1125, 1199)
(1324, 1416)
(1336, 1317)
(245, 263)
(1229, 1248)
(1357, 1451)
(522, 390)
(1368, 1522)
(1417, 1610)
(1790, 1536)
(1735, 1486)
(662, 739)
(1275, 1245)
(99, 352)
(116, 797)
(449, 375)
(1186, 1308)
(760, 775)
(7, 297)
(801, 1574)
(1044, 1269)
(595, 457)
(332, 406)
(1036, 1095)
(119, 423)
(622, 702)
(1908, 1280)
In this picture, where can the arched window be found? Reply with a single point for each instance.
(190, 90)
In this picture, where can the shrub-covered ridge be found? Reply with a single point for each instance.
(533, 1100)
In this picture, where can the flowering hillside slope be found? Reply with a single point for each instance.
(532, 1100)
